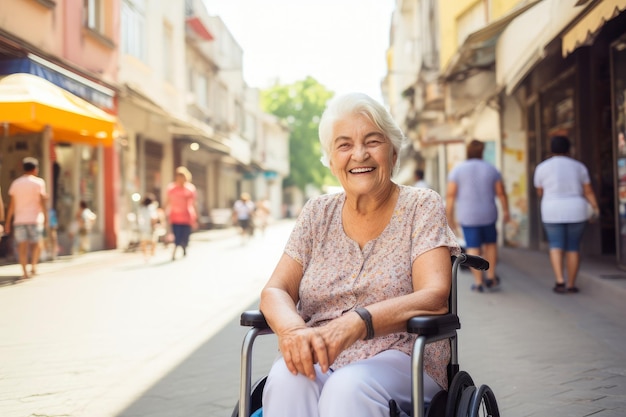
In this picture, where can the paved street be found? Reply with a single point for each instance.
(544, 354)
(106, 335)
(88, 337)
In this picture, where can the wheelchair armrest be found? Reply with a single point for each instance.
(424, 325)
(471, 261)
(253, 318)
(433, 325)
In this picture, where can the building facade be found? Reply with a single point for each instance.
(513, 74)
(69, 46)
(157, 105)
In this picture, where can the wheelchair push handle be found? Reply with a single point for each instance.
(472, 261)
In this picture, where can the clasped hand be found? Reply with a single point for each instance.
(303, 347)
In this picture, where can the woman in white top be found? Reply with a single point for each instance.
(564, 187)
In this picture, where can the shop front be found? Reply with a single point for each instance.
(618, 83)
(203, 151)
(73, 140)
(597, 41)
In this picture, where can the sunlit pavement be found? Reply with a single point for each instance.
(106, 334)
(87, 337)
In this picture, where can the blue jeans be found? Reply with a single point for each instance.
(476, 236)
(565, 236)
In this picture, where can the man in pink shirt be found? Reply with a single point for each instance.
(27, 210)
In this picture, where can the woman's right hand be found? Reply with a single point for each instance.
(301, 348)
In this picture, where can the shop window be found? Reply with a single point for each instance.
(76, 179)
(88, 177)
(152, 174)
(199, 179)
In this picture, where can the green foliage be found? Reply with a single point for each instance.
(301, 105)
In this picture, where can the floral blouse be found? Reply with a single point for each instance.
(340, 276)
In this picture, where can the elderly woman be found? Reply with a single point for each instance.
(356, 267)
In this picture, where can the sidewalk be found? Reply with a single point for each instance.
(10, 270)
(599, 278)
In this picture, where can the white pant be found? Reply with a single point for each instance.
(362, 389)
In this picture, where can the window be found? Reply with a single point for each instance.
(220, 106)
(133, 24)
(250, 128)
(239, 118)
(94, 15)
(191, 75)
(189, 8)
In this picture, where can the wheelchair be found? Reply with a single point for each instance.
(462, 398)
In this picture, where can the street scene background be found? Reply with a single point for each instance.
(108, 335)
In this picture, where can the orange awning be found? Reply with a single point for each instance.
(32, 103)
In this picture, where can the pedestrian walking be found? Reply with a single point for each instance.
(181, 208)
(147, 221)
(566, 194)
(243, 213)
(85, 219)
(27, 215)
(262, 215)
(473, 186)
(419, 179)
(51, 236)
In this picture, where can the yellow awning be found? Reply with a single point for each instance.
(32, 103)
(583, 32)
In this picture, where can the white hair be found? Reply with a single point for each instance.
(358, 103)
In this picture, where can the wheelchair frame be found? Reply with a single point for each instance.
(462, 399)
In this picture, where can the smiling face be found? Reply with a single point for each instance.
(361, 157)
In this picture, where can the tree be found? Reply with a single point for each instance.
(301, 105)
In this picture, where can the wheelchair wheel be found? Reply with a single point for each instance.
(465, 402)
(484, 403)
(460, 381)
(255, 398)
